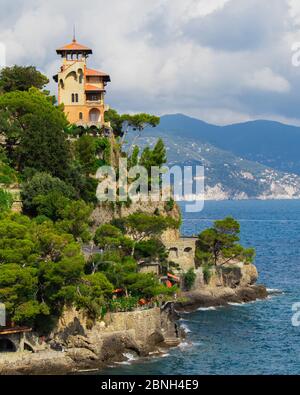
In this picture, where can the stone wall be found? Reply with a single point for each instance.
(182, 252)
(142, 324)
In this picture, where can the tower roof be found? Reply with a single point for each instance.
(93, 88)
(74, 46)
(97, 73)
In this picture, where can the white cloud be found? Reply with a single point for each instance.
(266, 80)
(226, 60)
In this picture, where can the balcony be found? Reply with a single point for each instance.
(94, 102)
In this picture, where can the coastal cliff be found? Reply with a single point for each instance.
(75, 346)
(231, 284)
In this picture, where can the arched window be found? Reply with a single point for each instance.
(80, 116)
(76, 97)
(73, 98)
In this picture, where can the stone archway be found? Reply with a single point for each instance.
(6, 345)
(94, 115)
(173, 253)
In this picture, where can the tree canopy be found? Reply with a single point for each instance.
(219, 245)
(20, 78)
(33, 130)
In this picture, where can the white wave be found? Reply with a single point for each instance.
(184, 345)
(185, 328)
(236, 304)
(123, 363)
(154, 352)
(130, 357)
(206, 308)
(274, 291)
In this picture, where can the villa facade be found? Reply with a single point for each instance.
(80, 88)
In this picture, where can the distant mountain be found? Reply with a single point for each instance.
(232, 170)
(270, 143)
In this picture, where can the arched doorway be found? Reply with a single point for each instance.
(173, 253)
(94, 115)
(6, 345)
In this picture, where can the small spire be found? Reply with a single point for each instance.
(74, 35)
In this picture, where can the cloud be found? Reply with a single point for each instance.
(222, 60)
(267, 80)
(240, 25)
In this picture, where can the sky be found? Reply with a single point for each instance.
(222, 61)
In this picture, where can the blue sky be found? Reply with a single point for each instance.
(223, 61)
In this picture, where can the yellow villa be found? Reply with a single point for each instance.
(81, 89)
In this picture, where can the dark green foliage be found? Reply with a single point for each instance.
(189, 279)
(33, 131)
(123, 124)
(8, 175)
(207, 272)
(219, 244)
(109, 237)
(19, 78)
(169, 205)
(140, 226)
(6, 200)
(151, 248)
(44, 186)
(116, 121)
(42, 270)
(75, 220)
(85, 149)
(155, 157)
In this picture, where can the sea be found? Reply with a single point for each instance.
(261, 337)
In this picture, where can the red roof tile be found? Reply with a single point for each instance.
(92, 88)
(96, 73)
(74, 46)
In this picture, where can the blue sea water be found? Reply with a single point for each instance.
(255, 338)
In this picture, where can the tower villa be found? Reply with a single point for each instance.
(81, 89)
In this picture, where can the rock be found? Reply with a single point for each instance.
(249, 274)
(210, 296)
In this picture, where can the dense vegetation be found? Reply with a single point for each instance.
(42, 265)
(47, 252)
(219, 245)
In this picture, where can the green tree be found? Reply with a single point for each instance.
(6, 200)
(41, 189)
(20, 78)
(219, 244)
(123, 124)
(141, 226)
(189, 279)
(33, 129)
(85, 149)
(75, 220)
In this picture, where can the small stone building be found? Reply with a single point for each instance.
(182, 252)
(14, 340)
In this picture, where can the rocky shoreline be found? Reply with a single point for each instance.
(96, 349)
(74, 348)
(214, 297)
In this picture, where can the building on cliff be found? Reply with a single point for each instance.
(81, 89)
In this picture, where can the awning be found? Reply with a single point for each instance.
(177, 279)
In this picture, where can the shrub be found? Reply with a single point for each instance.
(6, 200)
(189, 279)
(207, 272)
